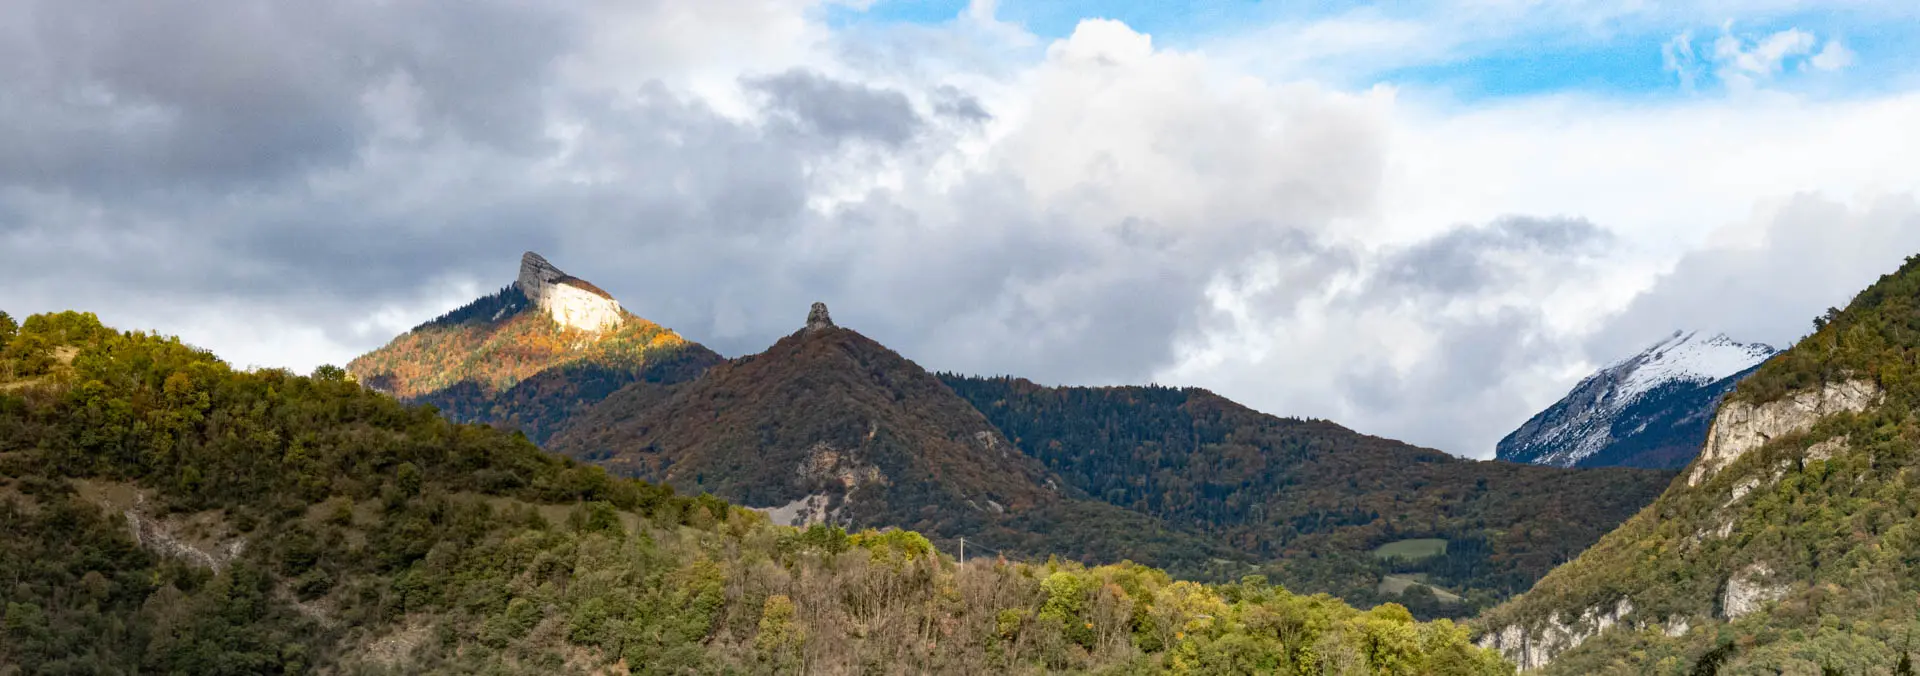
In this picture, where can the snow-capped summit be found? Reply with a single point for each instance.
(1649, 410)
(1688, 356)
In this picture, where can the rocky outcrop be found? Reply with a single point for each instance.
(1534, 649)
(1825, 450)
(1747, 591)
(813, 509)
(817, 317)
(1743, 426)
(161, 536)
(825, 464)
(569, 300)
(836, 472)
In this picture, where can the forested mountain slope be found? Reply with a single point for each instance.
(1790, 545)
(829, 426)
(531, 355)
(1314, 496)
(163, 513)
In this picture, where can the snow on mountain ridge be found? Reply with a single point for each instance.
(1686, 356)
(1594, 416)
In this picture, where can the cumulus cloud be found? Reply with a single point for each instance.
(1833, 56)
(1743, 62)
(1409, 341)
(1096, 209)
(1765, 278)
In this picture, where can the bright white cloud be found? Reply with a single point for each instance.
(1834, 56)
(1676, 55)
(1743, 63)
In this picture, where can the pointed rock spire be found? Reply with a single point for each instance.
(817, 317)
(536, 273)
(571, 301)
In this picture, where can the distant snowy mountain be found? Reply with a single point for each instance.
(1650, 410)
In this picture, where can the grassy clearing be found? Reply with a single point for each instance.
(1397, 584)
(1412, 550)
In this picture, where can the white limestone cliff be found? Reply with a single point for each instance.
(1742, 426)
(570, 301)
(1747, 591)
(1532, 650)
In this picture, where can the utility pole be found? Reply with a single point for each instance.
(963, 551)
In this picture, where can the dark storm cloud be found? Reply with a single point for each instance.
(1468, 365)
(1457, 394)
(1427, 341)
(949, 101)
(834, 109)
(108, 96)
(1469, 259)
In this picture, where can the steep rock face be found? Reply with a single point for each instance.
(1533, 649)
(1650, 410)
(1739, 428)
(1748, 590)
(569, 300)
(1743, 426)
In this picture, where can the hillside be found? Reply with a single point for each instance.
(829, 426)
(163, 513)
(531, 355)
(1788, 545)
(1310, 494)
(1649, 410)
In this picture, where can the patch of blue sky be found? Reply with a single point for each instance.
(1524, 70)
(1176, 21)
(1624, 60)
(896, 11)
(1633, 66)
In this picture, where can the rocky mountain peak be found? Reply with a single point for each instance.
(817, 317)
(571, 302)
(1648, 410)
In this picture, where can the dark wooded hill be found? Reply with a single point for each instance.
(829, 425)
(1313, 495)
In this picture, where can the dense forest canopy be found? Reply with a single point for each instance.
(162, 512)
(828, 413)
(1313, 497)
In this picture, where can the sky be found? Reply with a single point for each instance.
(1423, 220)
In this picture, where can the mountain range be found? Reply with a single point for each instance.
(161, 512)
(829, 426)
(1649, 410)
(164, 513)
